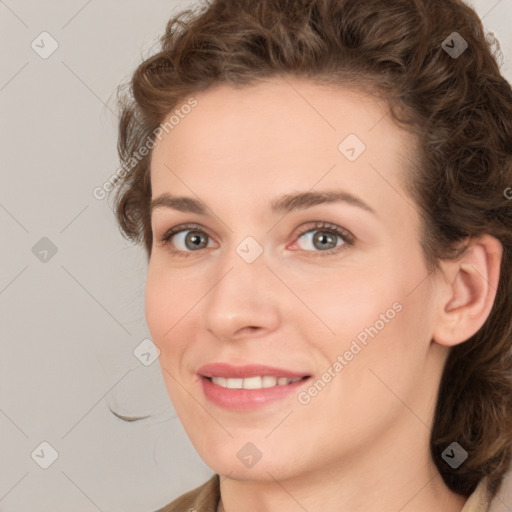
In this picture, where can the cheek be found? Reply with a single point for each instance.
(166, 303)
(168, 299)
(156, 306)
(345, 302)
(379, 312)
(383, 335)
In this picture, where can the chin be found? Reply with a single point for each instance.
(229, 464)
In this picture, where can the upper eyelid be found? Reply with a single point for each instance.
(179, 228)
(299, 232)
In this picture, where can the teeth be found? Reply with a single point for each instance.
(269, 382)
(253, 382)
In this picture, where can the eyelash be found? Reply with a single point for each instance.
(347, 237)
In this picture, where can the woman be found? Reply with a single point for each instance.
(320, 187)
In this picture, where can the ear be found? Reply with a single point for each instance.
(467, 291)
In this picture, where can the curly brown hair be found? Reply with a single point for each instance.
(460, 109)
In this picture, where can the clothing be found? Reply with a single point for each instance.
(206, 497)
(480, 500)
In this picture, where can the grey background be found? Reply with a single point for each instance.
(70, 323)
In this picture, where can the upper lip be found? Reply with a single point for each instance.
(251, 370)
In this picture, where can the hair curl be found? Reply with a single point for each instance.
(459, 108)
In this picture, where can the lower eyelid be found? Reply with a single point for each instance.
(327, 252)
(341, 234)
(345, 237)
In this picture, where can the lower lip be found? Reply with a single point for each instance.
(247, 399)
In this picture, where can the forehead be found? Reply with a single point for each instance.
(279, 134)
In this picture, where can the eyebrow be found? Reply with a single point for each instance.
(284, 204)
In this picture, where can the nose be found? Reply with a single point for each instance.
(244, 299)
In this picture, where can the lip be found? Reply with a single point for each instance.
(250, 370)
(247, 399)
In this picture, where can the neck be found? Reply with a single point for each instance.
(432, 496)
(395, 475)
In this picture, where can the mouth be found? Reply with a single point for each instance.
(245, 388)
(230, 371)
(256, 382)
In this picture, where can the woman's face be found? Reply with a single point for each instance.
(336, 290)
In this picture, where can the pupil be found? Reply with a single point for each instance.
(321, 237)
(195, 240)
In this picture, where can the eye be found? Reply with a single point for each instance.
(185, 238)
(319, 238)
(324, 239)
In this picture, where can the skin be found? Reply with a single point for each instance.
(364, 439)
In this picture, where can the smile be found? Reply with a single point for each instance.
(257, 382)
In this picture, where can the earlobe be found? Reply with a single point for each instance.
(471, 283)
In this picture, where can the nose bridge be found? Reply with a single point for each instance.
(240, 295)
(241, 275)
(243, 266)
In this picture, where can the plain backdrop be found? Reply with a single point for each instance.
(71, 287)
